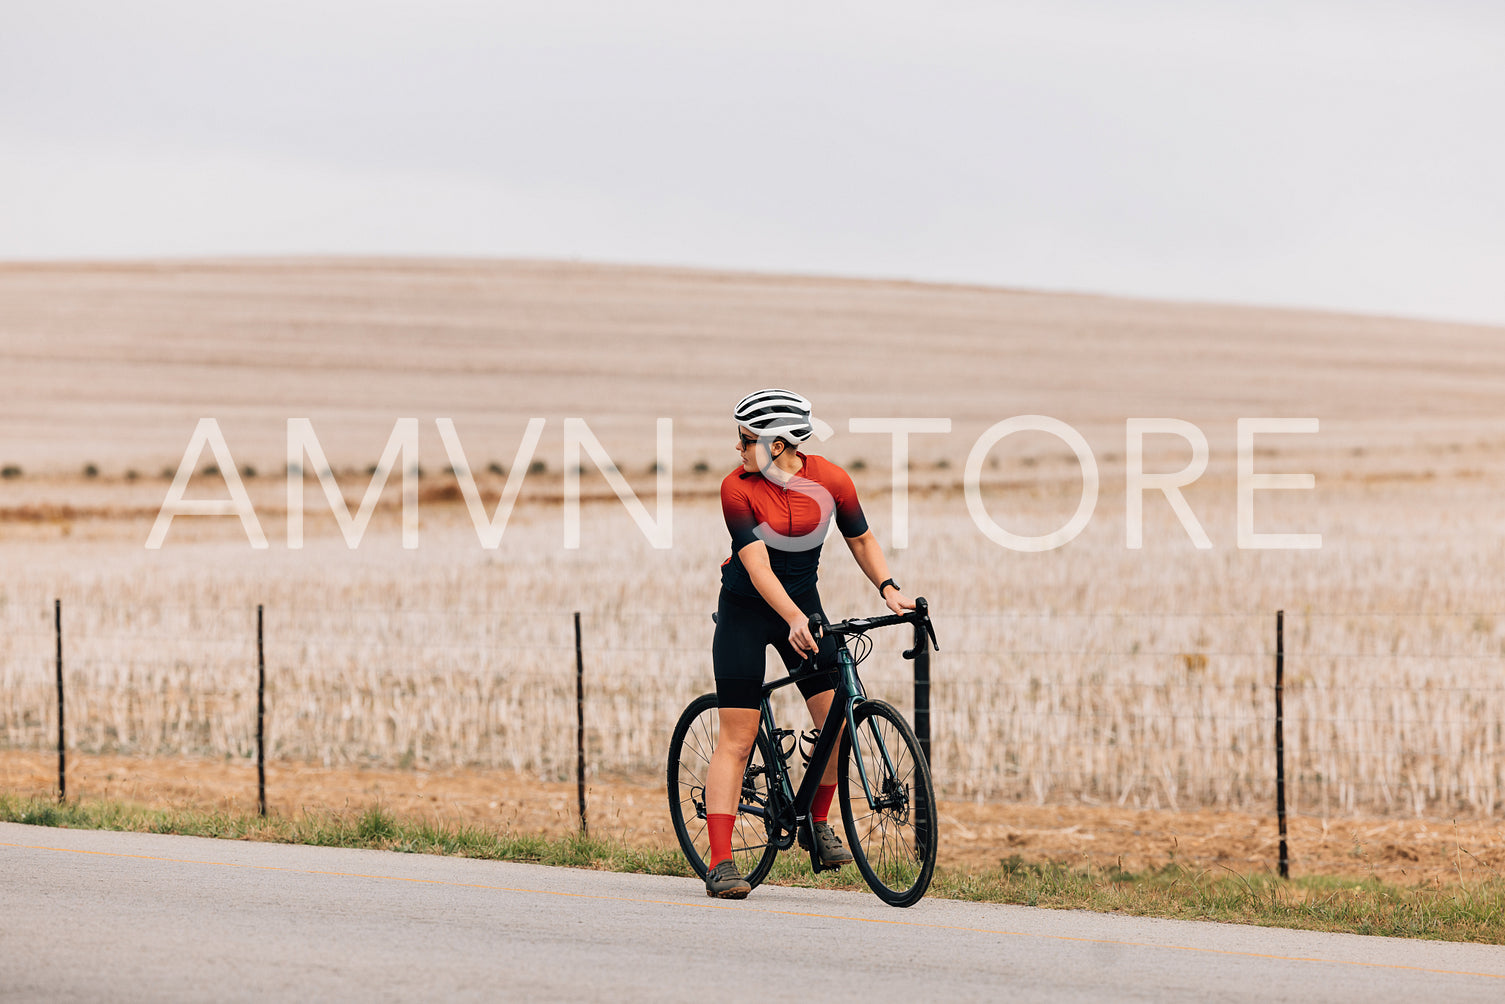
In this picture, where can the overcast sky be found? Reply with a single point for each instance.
(1314, 154)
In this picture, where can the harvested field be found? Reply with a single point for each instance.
(1090, 676)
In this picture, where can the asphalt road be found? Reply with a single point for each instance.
(126, 916)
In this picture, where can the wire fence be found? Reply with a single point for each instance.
(1384, 714)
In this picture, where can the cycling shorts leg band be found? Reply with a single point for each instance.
(739, 693)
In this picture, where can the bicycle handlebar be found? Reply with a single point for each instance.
(919, 617)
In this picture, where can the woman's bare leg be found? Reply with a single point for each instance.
(723, 782)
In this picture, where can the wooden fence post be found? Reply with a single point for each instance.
(261, 714)
(1280, 740)
(580, 726)
(62, 754)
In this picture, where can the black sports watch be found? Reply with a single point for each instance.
(885, 584)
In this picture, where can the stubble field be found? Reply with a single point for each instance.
(1092, 676)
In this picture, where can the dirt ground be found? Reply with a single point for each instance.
(1405, 851)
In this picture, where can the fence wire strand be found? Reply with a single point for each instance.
(1032, 706)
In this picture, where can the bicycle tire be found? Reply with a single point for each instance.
(894, 845)
(690, 749)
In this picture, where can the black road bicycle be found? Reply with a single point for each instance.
(884, 788)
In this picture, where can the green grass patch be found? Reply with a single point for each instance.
(374, 829)
(1453, 912)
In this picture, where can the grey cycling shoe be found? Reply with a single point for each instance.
(833, 853)
(723, 882)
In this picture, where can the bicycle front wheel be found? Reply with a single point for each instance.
(690, 749)
(893, 837)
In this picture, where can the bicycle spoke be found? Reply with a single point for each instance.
(690, 751)
(889, 847)
(704, 743)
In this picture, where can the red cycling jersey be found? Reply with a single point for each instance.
(791, 519)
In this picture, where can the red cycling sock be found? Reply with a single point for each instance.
(720, 824)
(821, 807)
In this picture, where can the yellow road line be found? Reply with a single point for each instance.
(721, 905)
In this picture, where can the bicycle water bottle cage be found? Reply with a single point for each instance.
(811, 736)
(779, 735)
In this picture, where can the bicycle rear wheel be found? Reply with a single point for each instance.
(893, 841)
(690, 749)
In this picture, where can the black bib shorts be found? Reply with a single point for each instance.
(745, 627)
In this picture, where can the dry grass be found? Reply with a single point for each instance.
(1090, 674)
(976, 835)
(406, 660)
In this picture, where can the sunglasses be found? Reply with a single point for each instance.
(746, 441)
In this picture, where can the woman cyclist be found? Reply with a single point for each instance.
(778, 506)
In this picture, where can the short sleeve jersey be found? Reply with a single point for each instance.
(791, 519)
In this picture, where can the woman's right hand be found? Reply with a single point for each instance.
(800, 636)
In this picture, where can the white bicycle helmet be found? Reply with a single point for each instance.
(776, 412)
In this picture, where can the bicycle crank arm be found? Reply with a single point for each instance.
(807, 840)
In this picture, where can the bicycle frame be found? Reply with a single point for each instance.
(789, 810)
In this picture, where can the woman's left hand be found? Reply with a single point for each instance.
(897, 601)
